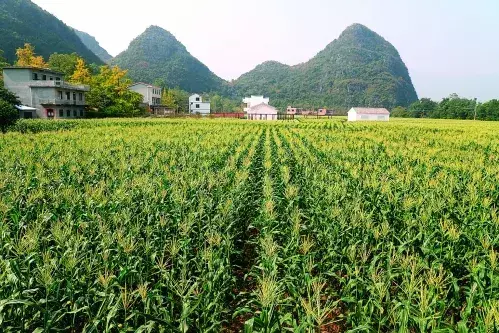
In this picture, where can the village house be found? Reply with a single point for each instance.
(198, 106)
(44, 93)
(253, 101)
(322, 112)
(291, 110)
(151, 98)
(368, 114)
(262, 111)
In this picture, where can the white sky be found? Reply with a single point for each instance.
(448, 45)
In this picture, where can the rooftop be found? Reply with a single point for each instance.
(371, 110)
(257, 107)
(145, 84)
(47, 70)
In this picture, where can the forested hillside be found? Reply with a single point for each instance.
(22, 21)
(156, 55)
(358, 68)
(93, 45)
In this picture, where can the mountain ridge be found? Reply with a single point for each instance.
(22, 21)
(156, 54)
(359, 61)
(93, 45)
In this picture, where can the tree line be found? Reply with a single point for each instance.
(452, 107)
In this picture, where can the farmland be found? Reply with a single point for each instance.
(220, 225)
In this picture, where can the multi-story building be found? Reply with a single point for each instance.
(44, 93)
(254, 100)
(197, 105)
(151, 94)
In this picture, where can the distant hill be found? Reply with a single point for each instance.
(360, 68)
(21, 21)
(93, 45)
(157, 54)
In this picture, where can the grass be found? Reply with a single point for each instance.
(225, 225)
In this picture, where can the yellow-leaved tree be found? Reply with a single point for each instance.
(81, 74)
(26, 57)
(168, 99)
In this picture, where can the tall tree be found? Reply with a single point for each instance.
(64, 63)
(168, 99)
(488, 110)
(26, 57)
(81, 73)
(422, 108)
(109, 93)
(455, 107)
(182, 99)
(400, 112)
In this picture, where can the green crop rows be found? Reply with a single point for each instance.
(231, 225)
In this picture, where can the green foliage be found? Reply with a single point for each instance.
(488, 110)
(360, 68)
(168, 99)
(400, 112)
(156, 54)
(181, 98)
(109, 93)
(7, 96)
(423, 108)
(224, 104)
(452, 107)
(22, 21)
(455, 107)
(8, 115)
(93, 45)
(64, 63)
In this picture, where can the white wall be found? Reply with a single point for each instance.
(200, 107)
(254, 100)
(148, 92)
(353, 116)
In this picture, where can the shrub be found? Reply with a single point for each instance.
(8, 115)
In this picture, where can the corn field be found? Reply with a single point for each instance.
(228, 225)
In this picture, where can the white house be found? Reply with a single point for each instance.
(151, 94)
(368, 114)
(254, 100)
(196, 105)
(262, 111)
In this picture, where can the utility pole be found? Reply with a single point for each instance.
(476, 106)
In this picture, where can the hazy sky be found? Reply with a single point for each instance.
(448, 45)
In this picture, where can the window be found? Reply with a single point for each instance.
(197, 106)
(61, 113)
(75, 114)
(58, 79)
(35, 76)
(68, 95)
(50, 113)
(68, 113)
(364, 117)
(81, 113)
(44, 77)
(197, 99)
(59, 93)
(80, 96)
(74, 96)
(51, 78)
(381, 117)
